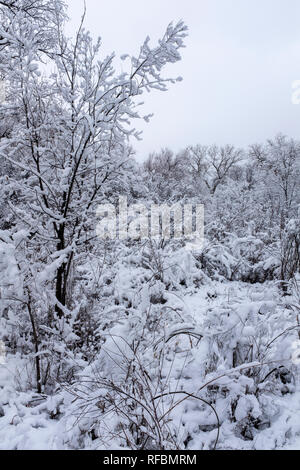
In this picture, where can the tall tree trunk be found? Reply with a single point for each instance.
(36, 347)
(60, 288)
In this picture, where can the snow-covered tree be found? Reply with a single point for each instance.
(68, 146)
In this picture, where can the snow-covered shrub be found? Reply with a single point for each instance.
(246, 356)
(240, 259)
(290, 249)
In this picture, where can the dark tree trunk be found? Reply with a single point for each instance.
(36, 347)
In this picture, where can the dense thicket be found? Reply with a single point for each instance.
(160, 346)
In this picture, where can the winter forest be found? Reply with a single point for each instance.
(126, 342)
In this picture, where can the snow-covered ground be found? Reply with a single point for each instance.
(29, 421)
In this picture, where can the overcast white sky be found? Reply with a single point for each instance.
(238, 67)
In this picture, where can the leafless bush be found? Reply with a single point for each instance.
(136, 408)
